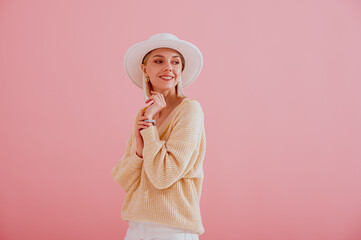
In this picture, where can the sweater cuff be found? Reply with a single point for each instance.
(136, 162)
(150, 134)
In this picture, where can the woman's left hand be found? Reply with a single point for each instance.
(157, 105)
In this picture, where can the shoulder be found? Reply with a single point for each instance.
(191, 107)
(191, 104)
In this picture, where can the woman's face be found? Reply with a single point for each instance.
(163, 66)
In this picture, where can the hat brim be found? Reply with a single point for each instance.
(135, 54)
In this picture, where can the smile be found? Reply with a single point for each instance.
(167, 78)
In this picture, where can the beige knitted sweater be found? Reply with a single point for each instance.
(164, 186)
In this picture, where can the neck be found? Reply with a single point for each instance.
(170, 96)
(171, 99)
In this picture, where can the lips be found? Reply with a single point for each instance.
(167, 77)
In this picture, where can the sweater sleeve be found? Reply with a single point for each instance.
(128, 170)
(166, 162)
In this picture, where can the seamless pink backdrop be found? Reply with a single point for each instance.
(280, 89)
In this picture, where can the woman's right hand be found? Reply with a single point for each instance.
(138, 136)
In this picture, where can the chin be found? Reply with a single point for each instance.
(167, 86)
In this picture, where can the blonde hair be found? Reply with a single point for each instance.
(147, 86)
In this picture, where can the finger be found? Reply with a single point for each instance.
(157, 98)
(144, 126)
(150, 102)
(141, 127)
(150, 98)
(142, 118)
(141, 123)
(157, 93)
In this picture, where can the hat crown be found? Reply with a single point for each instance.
(163, 36)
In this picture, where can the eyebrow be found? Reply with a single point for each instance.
(163, 56)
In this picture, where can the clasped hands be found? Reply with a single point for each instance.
(157, 104)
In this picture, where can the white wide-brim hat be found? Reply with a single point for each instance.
(135, 54)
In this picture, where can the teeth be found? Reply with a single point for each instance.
(167, 77)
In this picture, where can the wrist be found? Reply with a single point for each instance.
(149, 118)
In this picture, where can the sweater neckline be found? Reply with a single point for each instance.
(166, 120)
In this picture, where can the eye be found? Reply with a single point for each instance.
(157, 61)
(176, 62)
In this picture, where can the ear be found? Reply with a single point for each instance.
(144, 68)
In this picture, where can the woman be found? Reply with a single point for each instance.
(162, 168)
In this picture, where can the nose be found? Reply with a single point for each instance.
(168, 66)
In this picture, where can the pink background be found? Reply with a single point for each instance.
(280, 89)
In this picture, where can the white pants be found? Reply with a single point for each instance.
(156, 231)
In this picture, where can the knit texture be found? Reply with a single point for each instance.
(164, 186)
